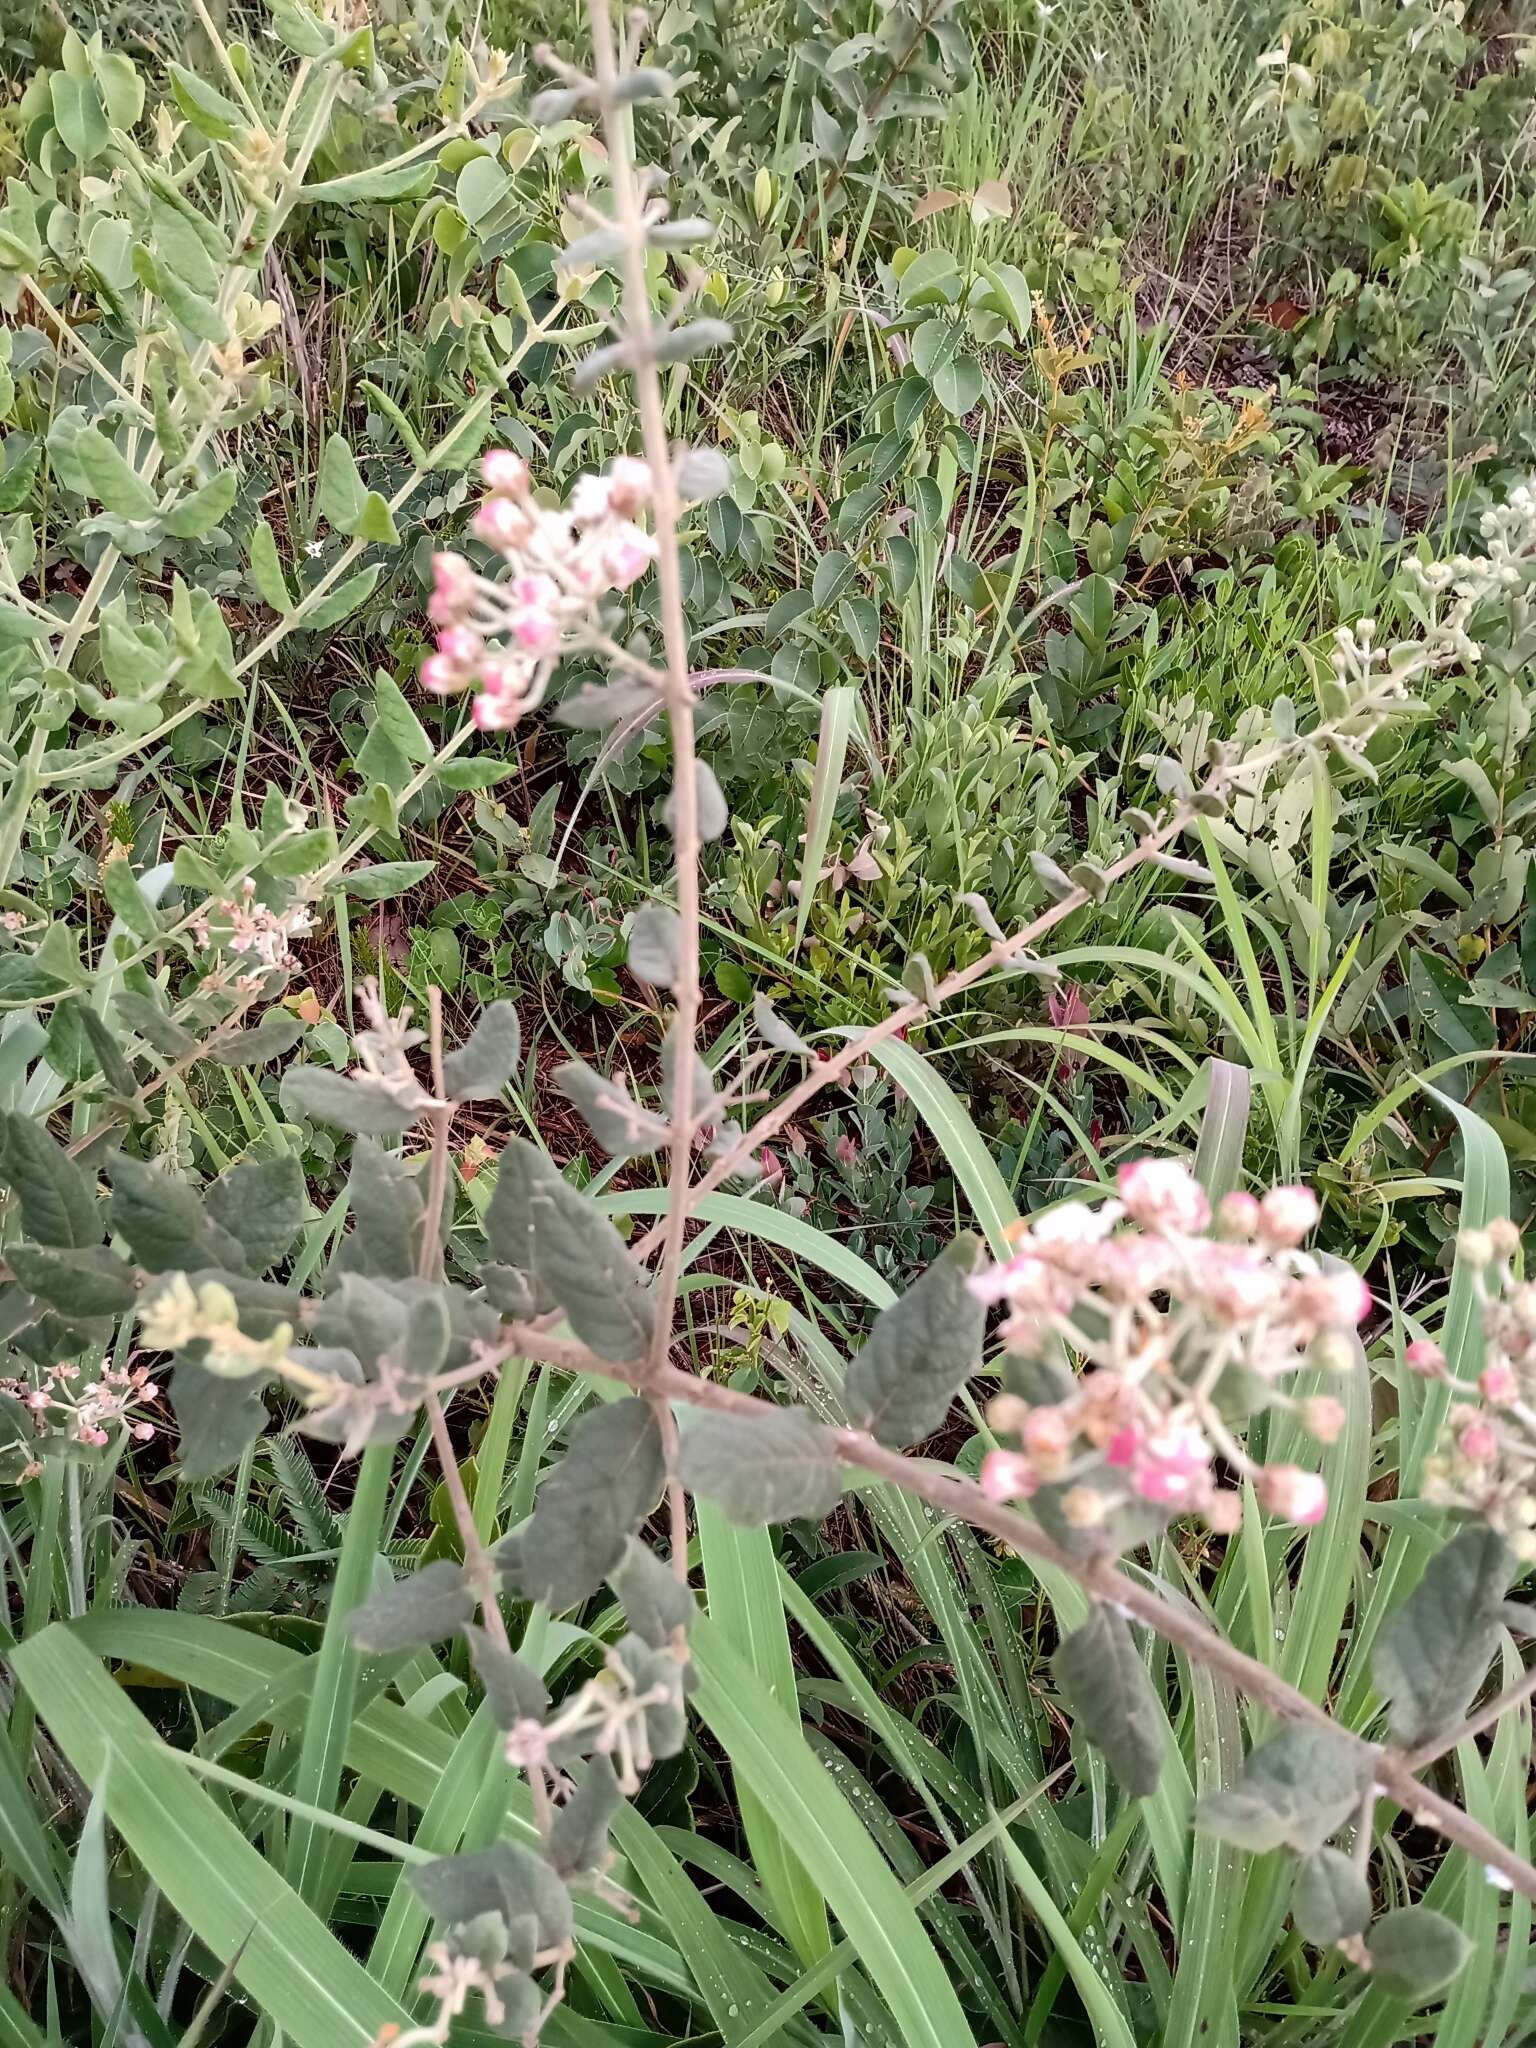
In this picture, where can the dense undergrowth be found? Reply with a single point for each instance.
(1089, 368)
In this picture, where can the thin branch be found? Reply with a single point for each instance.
(429, 1259)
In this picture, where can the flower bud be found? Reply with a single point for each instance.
(1323, 1417)
(762, 193)
(1497, 1383)
(1476, 1247)
(1424, 1357)
(1287, 1214)
(1007, 1476)
(1238, 1215)
(1293, 1495)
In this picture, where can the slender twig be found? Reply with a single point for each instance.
(639, 331)
(429, 1260)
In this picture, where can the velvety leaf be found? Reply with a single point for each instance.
(80, 1282)
(620, 1125)
(1435, 1651)
(200, 511)
(344, 599)
(1107, 1687)
(775, 1467)
(710, 809)
(1294, 1791)
(384, 1196)
(655, 1600)
(262, 1203)
(653, 943)
(115, 1070)
(168, 1226)
(921, 1351)
(579, 1838)
(385, 879)
(57, 1195)
(487, 1060)
(218, 1419)
(506, 1880)
(588, 1505)
(514, 1691)
(363, 1106)
(569, 1253)
(1415, 1952)
(279, 1031)
(1331, 1897)
(423, 1608)
(149, 1022)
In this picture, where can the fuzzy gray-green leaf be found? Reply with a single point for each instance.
(1107, 1687)
(432, 1603)
(507, 1879)
(620, 1125)
(1434, 1653)
(1295, 1790)
(487, 1060)
(921, 1351)
(779, 1466)
(588, 1505)
(1331, 1898)
(57, 1196)
(363, 1106)
(568, 1252)
(168, 1226)
(579, 1839)
(262, 1203)
(1415, 1952)
(655, 1600)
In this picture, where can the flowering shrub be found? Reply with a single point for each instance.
(1145, 1341)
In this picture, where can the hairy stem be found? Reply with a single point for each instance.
(678, 689)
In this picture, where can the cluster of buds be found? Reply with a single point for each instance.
(562, 562)
(251, 931)
(1486, 1461)
(180, 1314)
(382, 1047)
(606, 1717)
(1181, 1321)
(89, 1412)
(1509, 533)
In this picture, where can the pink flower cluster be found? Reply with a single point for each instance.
(250, 930)
(86, 1413)
(563, 561)
(1171, 1313)
(1486, 1460)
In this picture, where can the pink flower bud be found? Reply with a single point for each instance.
(1224, 1513)
(768, 1161)
(533, 587)
(504, 472)
(1007, 1476)
(1046, 1433)
(590, 500)
(1422, 1356)
(1163, 1195)
(1497, 1383)
(846, 1150)
(500, 524)
(629, 483)
(1323, 1417)
(1123, 1446)
(627, 554)
(495, 710)
(1293, 1495)
(1286, 1215)
(143, 1431)
(1238, 1215)
(440, 675)
(461, 645)
(1479, 1441)
(535, 631)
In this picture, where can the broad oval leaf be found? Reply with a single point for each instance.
(779, 1466)
(568, 1253)
(1107, 1687)
(1331, 1898)
(1434, 1653)
(1415, 1952)
(588, 1506)
(921, 1351)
